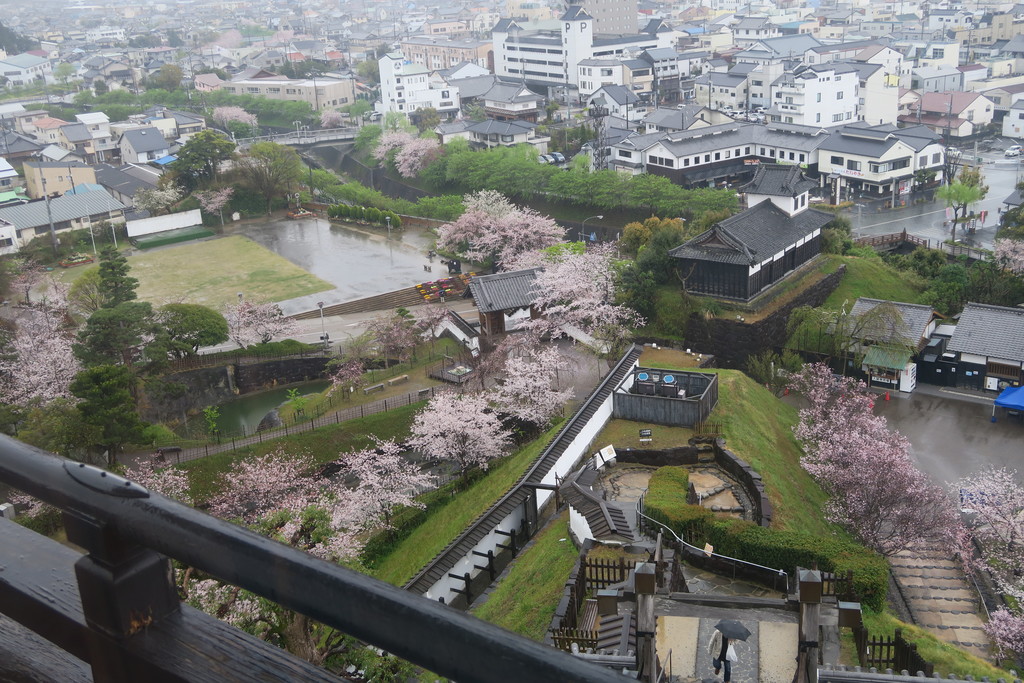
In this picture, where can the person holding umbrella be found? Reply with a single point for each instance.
(721, 650)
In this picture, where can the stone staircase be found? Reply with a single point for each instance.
(941, 599)
(406, 297)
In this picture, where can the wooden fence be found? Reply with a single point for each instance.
(890, 652)
(564, 638)
(839, 586)
(896, 239)
(603, 573)
(708, 429)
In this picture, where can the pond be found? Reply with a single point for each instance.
(358, 262)
(243, 415)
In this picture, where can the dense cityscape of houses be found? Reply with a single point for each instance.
(863, 97)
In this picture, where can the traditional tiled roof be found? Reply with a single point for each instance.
(753, 235)
(909, 329)
(779, 180)
(991, 331)
(504, 291)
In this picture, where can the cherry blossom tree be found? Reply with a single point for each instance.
(996, 501)
(331, 118)
(226, 115)
(875, 489)
(39, 364)
(578, 290)
(1006, 629)
(1010, 255)
(459, 428)
(346, 375)
(279, 496)
(494, 231)
(158, 199)
(430, 321)
(391, 140)
(416, 155)
(530, 390)
(28, 274)
(395, 336)
(256, 322)
(167, 481)
(214, 201)
(386, 480)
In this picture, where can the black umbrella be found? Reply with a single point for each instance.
(732, 629)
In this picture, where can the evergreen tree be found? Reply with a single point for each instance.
(107, 405)
(116, 286)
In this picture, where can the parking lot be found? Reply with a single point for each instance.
(952, 433)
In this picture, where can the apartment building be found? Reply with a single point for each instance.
(320, 92)
(443, 53)
(406, 87)
(816, 95)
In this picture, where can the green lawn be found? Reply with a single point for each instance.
(871, 278)
(526, 599)
(759, 428)
(213, 272)
(413, 553)
(946, 658)
(323, 444)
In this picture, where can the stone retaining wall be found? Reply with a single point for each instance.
(738, 469)
(733, 341)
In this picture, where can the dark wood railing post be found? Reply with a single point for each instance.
(124, 587)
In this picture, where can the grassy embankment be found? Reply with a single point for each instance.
(872, 278)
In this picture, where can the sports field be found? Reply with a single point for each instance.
(212, 273)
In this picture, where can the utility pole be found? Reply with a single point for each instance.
(49, 216)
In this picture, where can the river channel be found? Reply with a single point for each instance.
(241, 416)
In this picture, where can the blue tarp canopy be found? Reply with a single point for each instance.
(163, 161)
(1012, 398)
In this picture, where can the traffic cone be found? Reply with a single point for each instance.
(887, 396)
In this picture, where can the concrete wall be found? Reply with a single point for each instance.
(567, 462)
(172, 221)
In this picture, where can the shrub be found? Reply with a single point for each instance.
(374, 215)
(786, 550)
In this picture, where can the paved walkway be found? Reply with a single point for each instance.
(940, 597)
(767, 656)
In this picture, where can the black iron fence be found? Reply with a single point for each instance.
(117, 610)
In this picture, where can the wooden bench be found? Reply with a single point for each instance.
(398, 380)
(588, 620)
(375, 387)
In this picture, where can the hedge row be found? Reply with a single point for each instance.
(364, 213)
(666, 502)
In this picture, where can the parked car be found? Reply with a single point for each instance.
(558, 157)
(546, 159)
(300, 213)
(1014, 151)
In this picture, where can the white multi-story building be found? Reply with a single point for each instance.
(105, 35)
(816, 95)
(551, 58)
(25, 69)
(405, 87)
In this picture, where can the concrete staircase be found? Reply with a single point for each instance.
(406, 297)
(940, 597)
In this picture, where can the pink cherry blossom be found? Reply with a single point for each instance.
(225, 115)
(875, 489)
(530, 390)
(256, 322)
(1010, 255)
(995, 499)
(493, 230)
(386, 481)
(460, 428)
